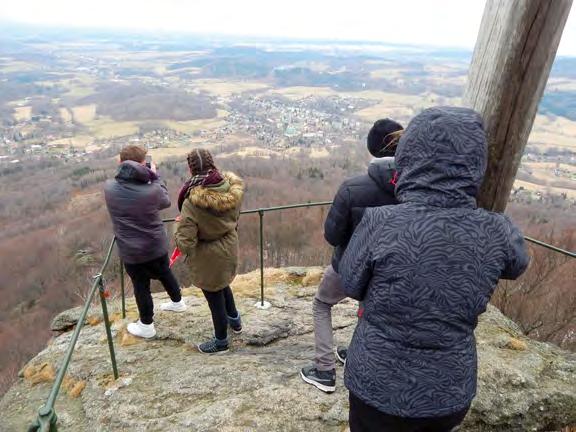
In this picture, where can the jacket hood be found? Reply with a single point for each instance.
(441, 158)
(221, 198)
(130, 170)
(382, 170)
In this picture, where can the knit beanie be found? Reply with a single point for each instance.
(200, 161)
(379, 137)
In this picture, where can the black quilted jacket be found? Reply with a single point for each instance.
(354, 195)
(426, 269)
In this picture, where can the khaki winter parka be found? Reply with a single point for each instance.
(207, 232)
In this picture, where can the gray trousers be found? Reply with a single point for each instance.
(330, 292)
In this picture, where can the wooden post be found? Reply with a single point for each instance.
(512, 59)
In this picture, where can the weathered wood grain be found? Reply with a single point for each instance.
(512, 59)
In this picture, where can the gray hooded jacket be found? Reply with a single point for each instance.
(426, 269)
(134, 200)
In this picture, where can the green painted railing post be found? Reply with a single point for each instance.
(123, 293)
(46, 421)
(261, 217)
(107, 324)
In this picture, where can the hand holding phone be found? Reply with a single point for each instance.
(151, 165)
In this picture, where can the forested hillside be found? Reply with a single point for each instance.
(56, 230)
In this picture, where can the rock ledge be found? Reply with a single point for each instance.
(166, 385)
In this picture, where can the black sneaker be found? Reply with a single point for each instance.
(322, 380)
(213, 346)
(341, 353)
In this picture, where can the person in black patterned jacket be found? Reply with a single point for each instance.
(425, 270)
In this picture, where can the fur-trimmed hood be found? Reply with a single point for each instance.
(208, 232)
(221, 198)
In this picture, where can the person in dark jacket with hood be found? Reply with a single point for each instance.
(134, 199)
(376, 188)
(425, 269)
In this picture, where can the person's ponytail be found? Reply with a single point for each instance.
(391, 142)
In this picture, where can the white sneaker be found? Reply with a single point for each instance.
(146, 331)
(174, 306)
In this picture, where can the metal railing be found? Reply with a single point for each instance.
(261, 212)
(47, 419)
(551, 247)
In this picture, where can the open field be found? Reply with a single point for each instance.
(192, 126)
(104, 127)
(314, 66)
(251, 151)
(395, 105)
(23, 113)
(77, 141)
(570, 193)
(445, 68)
(189, 70)
(227, 88)
(80, 86)
(558, 132)
(301, 92)
(152, 55)
(164, 153)
(84, 113)
(66, 115)
(547, 166)
(389, 73)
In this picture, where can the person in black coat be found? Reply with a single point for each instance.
(376, 188)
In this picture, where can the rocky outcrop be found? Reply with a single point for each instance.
(166, 385)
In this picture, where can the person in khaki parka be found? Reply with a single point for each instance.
(206, 234)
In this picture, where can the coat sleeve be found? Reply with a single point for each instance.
(356, 265)
(186, 235)
(163, 197)
(337, 228)
(518, 259)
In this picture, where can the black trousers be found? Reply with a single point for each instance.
(222, 306)
(141, 274)
(364, 418)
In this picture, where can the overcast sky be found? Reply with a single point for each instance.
(432, 22)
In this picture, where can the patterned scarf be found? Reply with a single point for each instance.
(212, 177)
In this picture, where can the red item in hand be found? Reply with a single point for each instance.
(360, 311)
(175, 255)
(394, 179)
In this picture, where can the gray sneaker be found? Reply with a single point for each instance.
(322, 380)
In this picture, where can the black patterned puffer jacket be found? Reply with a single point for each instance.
(426, 269)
